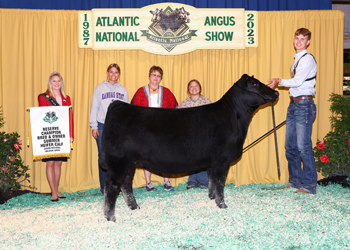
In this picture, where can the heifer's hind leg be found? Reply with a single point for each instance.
(218, 177)
(127, 190)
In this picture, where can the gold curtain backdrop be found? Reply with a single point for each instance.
(33, 43)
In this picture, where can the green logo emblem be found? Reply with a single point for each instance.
(50, 117)
(169, 27)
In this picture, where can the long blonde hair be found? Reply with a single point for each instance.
(49, 86)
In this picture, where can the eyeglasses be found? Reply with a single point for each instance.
(155, 75)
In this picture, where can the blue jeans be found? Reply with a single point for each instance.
(299, 121)
(102, 172)
(198, 178)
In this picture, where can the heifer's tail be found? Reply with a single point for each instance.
(102, 155)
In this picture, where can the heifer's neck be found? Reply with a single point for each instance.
(235, 103)
(238, 98)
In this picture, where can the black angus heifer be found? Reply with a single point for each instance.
(175, 141)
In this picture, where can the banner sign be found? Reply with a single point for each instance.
(50, 131)
(168, 29)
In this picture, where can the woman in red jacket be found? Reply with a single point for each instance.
(55, 96)
(155, 96)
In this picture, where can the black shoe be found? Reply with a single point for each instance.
(150, 187)
(190, 186)
(62, 197)
(54, 200)
(168, 186)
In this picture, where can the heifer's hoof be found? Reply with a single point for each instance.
(111, 218)
(222, 205)
(134, 207)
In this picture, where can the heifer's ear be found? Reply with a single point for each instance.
(244, 76)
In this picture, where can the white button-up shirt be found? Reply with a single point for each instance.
(307, 68)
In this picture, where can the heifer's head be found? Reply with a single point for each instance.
(255, 92)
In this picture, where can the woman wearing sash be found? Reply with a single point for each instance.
(55, 96)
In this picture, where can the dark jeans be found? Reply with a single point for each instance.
(102, 172)
(299, 121)
(198, 178)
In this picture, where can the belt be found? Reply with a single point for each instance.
(302, 97)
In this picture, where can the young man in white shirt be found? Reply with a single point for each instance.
(300, 116)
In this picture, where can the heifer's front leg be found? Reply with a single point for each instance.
(127, 190)
(112, 189)
(219, 179)
(211, 186)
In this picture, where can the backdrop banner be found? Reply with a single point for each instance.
(50, 132)
(33, 41)
(168, 29)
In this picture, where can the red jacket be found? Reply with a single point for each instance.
(65, 102)
(168, 99)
